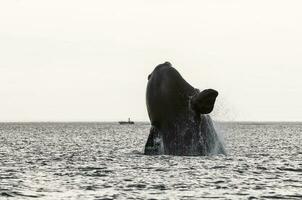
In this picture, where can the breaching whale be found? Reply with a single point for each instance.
(177, 111)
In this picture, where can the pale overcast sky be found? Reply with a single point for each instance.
(71, 60)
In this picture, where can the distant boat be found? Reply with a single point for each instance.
(126, 122)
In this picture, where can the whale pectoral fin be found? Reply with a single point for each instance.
(204, 101)
(153, 146)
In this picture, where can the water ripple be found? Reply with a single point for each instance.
(106, 161)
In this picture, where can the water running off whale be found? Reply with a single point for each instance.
(178, 114)
(214, 143)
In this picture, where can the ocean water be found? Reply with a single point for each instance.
(106, 161)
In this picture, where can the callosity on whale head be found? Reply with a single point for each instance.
(177, 114)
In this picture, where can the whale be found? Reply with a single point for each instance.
(179, 116)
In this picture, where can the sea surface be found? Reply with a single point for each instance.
(105, 161)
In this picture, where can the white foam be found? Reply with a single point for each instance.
(214, 141)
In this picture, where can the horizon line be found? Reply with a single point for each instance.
(139, 121)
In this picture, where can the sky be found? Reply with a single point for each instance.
(72, 60)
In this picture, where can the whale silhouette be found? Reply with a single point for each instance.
(177, 111)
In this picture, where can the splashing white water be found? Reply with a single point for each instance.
(213, 138)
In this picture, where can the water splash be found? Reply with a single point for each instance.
(213, 139)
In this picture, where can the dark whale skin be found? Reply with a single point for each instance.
(176, 111)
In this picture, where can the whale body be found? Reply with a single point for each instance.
(178, 114)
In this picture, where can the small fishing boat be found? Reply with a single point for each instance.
(126, 122)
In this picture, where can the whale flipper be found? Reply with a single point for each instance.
(154, 143)
(204, 101)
